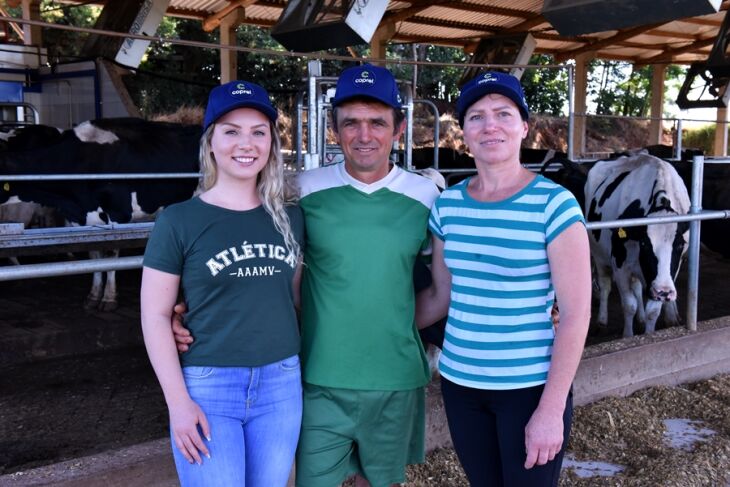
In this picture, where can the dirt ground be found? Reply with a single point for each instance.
(82, 403)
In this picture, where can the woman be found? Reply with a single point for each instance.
(235, 398)
(506, 242)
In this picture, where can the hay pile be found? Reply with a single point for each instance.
(629, 432)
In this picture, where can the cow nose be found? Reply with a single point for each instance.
(663, 294)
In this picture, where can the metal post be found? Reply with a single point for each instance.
(571, 114)
(408, 142)
(298, 131)
(679, 140)
(314, 69)
(693, 260)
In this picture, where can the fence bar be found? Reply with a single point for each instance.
(84, 177)
(30, 271)
(693, 264)
(656, 220)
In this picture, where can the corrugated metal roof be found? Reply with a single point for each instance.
(465, 23)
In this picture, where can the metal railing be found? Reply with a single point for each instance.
(695, 215)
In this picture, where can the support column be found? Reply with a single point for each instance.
(32, 33)
(380, 39)
(228, 57)
(657, 103)
(581, 88)
(721, 133)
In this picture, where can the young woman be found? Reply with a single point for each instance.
(234, 398)
(506, 243)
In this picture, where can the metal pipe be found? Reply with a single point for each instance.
(571, 114)
(408, 142)
(314, 69)
(86, 177)
(656, 220)
(32, 271)
(298, 131)
(679, 139)
(436, 129)
(693, 259)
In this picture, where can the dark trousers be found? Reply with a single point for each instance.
(488, 431)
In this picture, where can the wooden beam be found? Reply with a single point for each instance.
(669, 54)
(657, 103)
(454, 24)
(672, 34)
(720, 144)
(621, 35)
(526, 24)
(17, 29)
(581, 90)
(487, 9)
(395, 16)
(32, 34)
(701, 21)
(214, 20)
(229, 57)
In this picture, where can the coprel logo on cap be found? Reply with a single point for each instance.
(241, 89)
(488, 78)
(366, 78)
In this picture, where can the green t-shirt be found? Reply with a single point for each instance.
(358, 329)
(236, 277)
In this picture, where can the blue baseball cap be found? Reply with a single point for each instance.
(237, 94)
(491, 82)
(367, 81)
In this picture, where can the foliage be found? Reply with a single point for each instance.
(700, 138)
(546, 89)
(619, 88)
(171, 75)
(65, 45)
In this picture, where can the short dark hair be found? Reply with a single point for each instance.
(398, 115)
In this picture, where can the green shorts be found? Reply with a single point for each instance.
(373, 433)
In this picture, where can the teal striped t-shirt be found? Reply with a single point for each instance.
(499, 332)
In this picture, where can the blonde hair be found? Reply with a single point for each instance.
(275, 190)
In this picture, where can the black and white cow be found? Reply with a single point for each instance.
(107, 146)
(646, 257)
(20, 138)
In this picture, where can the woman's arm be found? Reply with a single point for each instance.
(569, 260)
(157, 298)
(432, 303)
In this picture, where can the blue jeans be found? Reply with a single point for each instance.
(254, 414)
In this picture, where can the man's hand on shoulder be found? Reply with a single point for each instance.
(183, 339)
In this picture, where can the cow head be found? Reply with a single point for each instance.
(660, 247)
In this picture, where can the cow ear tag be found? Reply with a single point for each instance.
(621, 233)
(6, 187)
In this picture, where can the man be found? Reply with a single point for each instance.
(363, 366)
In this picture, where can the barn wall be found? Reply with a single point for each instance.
(68, 95)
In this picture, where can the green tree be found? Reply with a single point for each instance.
(546, 89)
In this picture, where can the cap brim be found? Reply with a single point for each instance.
(267, 110)
(488, 89)
(339, 101)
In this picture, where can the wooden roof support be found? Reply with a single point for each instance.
(32, 34)
(657, 103)
(669, 54)
(229, 57)
(214, 20)
(395, 16)
(621, 35)
(17, 29)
